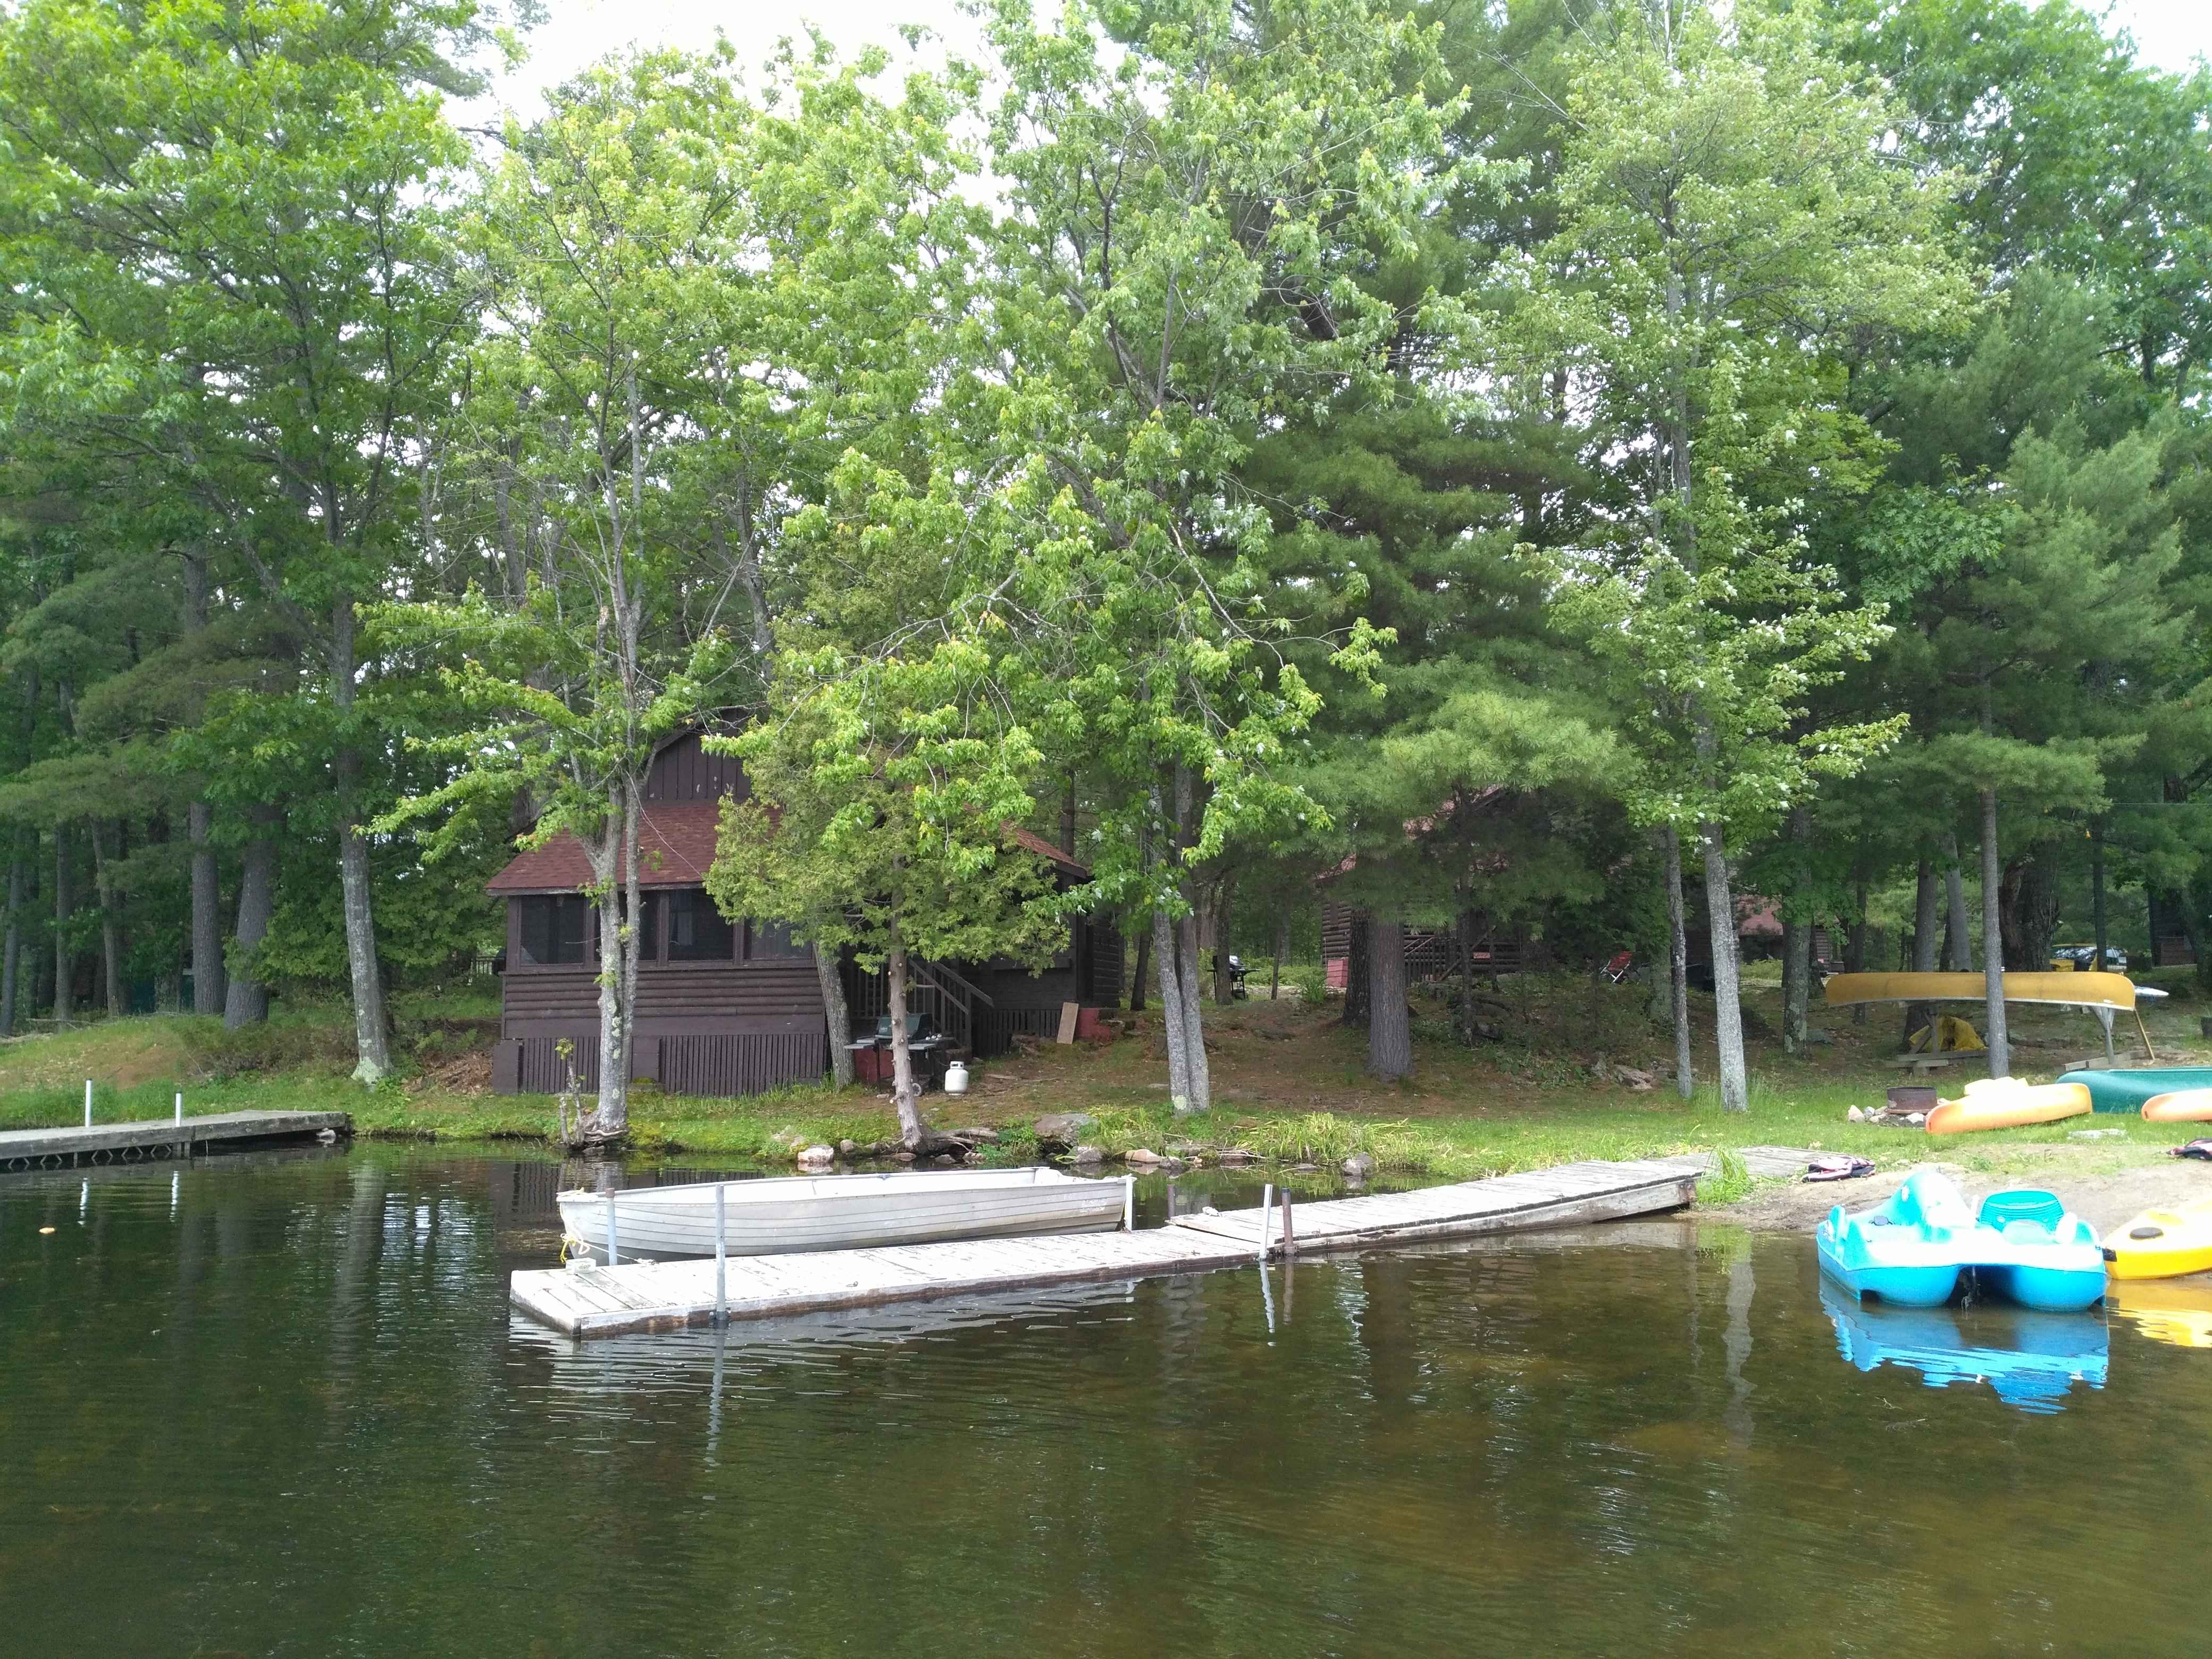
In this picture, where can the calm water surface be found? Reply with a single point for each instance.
(278, 1406)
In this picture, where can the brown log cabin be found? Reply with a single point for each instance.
(734, 1008)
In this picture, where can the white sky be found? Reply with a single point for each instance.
(2172, 34)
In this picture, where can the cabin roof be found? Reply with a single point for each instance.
(675, 849)
(675, 846)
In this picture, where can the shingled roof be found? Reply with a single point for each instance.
(675, 846)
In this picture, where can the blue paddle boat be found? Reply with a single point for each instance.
(1908, 1249)
(1911, 1249)
(2029, 1248)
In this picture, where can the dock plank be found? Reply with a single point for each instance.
(657, 1295)
(22, 1149)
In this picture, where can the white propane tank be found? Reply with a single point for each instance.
(955, 1077)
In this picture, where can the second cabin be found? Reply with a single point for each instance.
(736, 1008)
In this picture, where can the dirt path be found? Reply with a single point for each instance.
(2105, 1185)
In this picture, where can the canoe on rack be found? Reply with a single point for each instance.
(784, 1214)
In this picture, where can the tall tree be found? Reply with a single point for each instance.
(1728, 216)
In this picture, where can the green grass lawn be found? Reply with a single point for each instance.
(1290, 1082)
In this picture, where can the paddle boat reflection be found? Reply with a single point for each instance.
(2031, 1360)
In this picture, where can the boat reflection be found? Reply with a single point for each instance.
(2170, 1310)
(2031, 1360)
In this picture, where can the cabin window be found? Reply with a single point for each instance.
(771, 941)
(552, 929)
(697, 931)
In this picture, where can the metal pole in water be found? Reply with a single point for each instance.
(1129, 1204)
(722, 1258)
(1266, 1214)
(88, 1102)
(612, 1257)
(184, 1147)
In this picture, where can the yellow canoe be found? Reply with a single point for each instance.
(2002, 1103)
(2178, 1106)
(2180, 1314)
(2162, 1243)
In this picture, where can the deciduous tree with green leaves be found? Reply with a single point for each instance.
(1728, 212)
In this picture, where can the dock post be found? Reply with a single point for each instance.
(1266, 1214)
(184, 1146)
(88, 1102)
(1129, 1204)
(1290, 1240)
(612, 1257)
(721, 1261)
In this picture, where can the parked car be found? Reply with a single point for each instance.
(2082, 959)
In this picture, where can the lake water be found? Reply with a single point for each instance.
(278, 1406)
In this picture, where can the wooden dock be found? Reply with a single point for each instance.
(157, 1138)
(597, 1300)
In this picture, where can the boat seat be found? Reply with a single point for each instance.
(2001, 1210)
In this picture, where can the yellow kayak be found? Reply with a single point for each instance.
(2180, 1314)
(2178, 1106)
(2162, 1243)
(2002, 1103)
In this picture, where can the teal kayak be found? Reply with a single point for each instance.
(1911, 1250)
(2125, 1090)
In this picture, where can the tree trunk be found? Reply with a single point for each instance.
(840, 1017)
(2097, 918)
(11, 955)
(1728, 1007)
(1796, 983)
(1927, 909)
(1193, 1022)
(1957, 926)
(207, 913)
(1275, 969)
(245, 999)
(1678, 961)
(1355, 969)
(1992, 944)
(1389, 1030)
(906, 1097)
(1144, 966)
(110, 935)
(372, 1045)
(1223, 992)
(64, 991)
(1172, 1005)
(1854, 949)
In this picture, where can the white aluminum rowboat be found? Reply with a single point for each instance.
(792, 1213)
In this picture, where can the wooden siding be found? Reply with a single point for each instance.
(1105, 963)
(742, 1065)
(684, 773)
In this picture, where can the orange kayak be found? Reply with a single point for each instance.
(2178, 1106)
(2000, 1103)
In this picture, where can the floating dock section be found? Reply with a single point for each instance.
(597, 1300)
(158, 1138)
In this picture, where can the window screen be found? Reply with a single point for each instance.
(768, 941)
(552, 929)
(697, 931)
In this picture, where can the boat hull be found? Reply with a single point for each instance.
(804, 1215)
(2179, 1106)
(2009, 1110)
(2161, 1244)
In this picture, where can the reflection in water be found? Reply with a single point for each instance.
(2175, 1311)
(279, 1404)
(2032, 1360)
